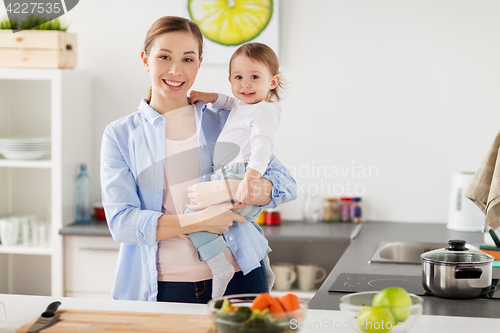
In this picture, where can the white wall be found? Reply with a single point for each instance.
(406, 90)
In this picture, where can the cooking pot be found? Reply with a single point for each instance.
(456, 271)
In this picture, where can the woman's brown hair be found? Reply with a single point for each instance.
(167, 24)
(265, 55)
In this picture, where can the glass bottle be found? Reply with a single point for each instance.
(311, 208)
(331, 209)
(83, 206)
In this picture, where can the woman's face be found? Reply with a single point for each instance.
(173, 62)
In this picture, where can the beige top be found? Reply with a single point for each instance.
(178, 259)
(484, 189)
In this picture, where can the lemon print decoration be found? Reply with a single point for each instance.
(231, 22)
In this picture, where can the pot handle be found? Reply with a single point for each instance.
(468, 273)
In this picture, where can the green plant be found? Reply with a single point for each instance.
(32, 22)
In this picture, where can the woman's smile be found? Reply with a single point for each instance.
(173, 84)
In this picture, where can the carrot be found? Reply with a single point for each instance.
(261, 302)
(290, 302)
(276, 308)
(234, 308)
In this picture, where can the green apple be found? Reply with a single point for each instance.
(375, 320)
(394, 297)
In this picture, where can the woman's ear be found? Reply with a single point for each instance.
(275, 81)
(145, 62)
(201, 60)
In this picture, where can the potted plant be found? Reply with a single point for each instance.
(39, 44)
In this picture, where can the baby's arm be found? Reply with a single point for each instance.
(264, 122)
(204, 97)
(219, 101)
(247, 190)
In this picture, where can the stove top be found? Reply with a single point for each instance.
(350, 283)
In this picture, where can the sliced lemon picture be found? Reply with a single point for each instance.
(231, 22)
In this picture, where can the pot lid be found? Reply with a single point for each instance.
(456, 253)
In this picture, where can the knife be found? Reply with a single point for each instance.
(48, 318)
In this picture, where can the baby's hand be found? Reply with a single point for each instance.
(247, 189)
(204, 97)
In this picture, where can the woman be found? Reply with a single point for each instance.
(151, 158)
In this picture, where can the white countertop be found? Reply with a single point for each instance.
(22, 309)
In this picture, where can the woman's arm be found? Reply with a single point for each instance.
(131, 218)
(215, 219)
(274, 188)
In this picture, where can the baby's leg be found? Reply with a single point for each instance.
(210, 249)
(251, 213)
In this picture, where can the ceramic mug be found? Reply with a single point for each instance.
(308, 276)
(284, 276)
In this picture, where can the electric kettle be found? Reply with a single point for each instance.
(463, 215)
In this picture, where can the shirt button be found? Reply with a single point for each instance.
(230, 238)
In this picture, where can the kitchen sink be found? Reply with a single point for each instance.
(403, 252)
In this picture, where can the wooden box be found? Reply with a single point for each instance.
(37, 49)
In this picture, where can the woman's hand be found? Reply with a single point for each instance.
(204, 97)
(218, 218)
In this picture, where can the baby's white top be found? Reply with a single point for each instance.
(249, 133)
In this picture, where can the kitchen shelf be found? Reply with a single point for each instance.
(53, 103)
(32, 250)
(37, 164)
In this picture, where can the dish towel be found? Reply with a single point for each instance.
(484, 189)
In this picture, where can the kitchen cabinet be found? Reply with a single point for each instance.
(292, 241)
(90, 265)
(42, 103)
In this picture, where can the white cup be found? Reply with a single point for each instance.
(9, 231)
(284, 276)
(308, 276)
(3, 313)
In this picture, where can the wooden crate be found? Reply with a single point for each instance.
(37, 49)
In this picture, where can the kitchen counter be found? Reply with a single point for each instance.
(357, 255)
(94, 228)
(287, 231)
(23, 309)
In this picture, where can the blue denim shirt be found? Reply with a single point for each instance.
(132, 169)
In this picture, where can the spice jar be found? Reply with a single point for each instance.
(345, 209)
(331, 209)
(356, 210)
(262, 217)
(273, 216)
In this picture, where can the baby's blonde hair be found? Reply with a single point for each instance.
(265, 55)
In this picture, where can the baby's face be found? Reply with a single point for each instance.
(250, 80)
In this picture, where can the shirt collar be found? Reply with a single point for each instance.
(149, 113)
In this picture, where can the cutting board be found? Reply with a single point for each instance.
(76, 321)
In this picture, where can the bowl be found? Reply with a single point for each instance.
(233, 323)
(99, 211)
(364, 318)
